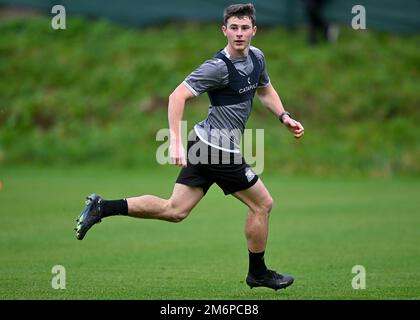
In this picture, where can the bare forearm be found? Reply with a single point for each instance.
(175, 112)
(176, 106)
(271, 100)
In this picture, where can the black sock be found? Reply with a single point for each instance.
(256, 263)
(114, 208)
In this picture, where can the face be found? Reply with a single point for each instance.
(239, 32)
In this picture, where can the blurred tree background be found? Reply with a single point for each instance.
(97, 91)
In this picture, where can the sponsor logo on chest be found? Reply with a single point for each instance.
(249, 87)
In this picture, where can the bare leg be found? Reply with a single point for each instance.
(259, 201)
(175, 209)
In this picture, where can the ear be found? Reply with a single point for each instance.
(224, 29)
(254, 30)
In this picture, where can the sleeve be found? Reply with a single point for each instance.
(265, 78)
(210, 75)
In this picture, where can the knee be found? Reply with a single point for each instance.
(177, 214)
(265, 205)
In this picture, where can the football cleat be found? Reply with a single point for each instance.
(90, 215)
(270, 279)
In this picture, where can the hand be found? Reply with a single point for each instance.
(293, 126)
(177, 154)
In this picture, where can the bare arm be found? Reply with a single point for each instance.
(176, 106)
(271, 100)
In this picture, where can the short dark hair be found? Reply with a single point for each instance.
(239, 10)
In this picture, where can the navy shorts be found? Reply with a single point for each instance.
(228, 170)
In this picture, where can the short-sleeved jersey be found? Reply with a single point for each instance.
(224, 124)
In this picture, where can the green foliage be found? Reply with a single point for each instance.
(97, 92)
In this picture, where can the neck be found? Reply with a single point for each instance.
(235, 53)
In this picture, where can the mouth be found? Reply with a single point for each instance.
(239, 42)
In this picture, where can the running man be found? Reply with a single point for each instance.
(231, 79)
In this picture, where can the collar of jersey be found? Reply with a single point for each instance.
(226, 53)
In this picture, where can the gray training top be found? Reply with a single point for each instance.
(225, 124)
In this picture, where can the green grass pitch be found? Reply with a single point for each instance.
(319, 229)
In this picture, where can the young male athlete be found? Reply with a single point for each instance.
(231, 79)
